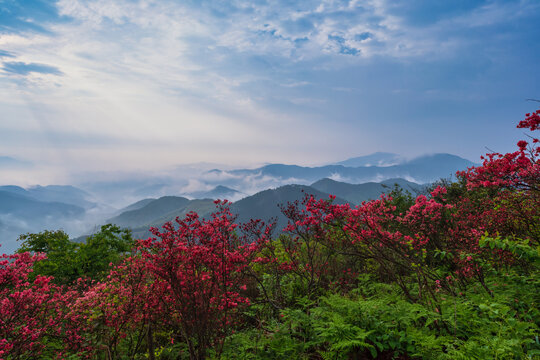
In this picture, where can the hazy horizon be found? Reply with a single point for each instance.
(178, 172)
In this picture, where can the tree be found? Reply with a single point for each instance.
(61, 262)
(68, 260)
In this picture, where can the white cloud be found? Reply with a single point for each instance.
(200, 81)
(195, 185)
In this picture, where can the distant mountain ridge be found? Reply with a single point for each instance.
(22, 211)
(9, 162)
(66, 194)
(209, 182)
(17, 204)
(423, 169)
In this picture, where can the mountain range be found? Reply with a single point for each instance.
(422, 169)
(144, 201)
(38, 208)
(139, 217)
(265, 205)
(66, 194)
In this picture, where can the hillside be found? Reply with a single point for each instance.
(265, 205)
(423, 169)
(357, 193)
(200, 206)
(150, 212)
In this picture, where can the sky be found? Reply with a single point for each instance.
(92, 86)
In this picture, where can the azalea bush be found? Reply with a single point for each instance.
(35, 315)
(198, 273)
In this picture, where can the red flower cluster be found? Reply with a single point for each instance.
(520, 169)
(33, 311)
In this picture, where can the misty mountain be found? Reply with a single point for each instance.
(193, 181)
(149, 212)
(135, 206)
(14, 190)
(425, 166)
(76, 211)
(8, 162)
(141, 220)
(219, 192)
(121, 192)
(66, 194)
(356, 193)
(375, 159)
(263, 205)
(62, 193)
(20, 205)
(21, 213)
(423, 169)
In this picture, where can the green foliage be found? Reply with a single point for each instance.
(521, 249)
(375, 321)
(68, 260)
(402, 199)
(102, 248)
(61, 253)
(378, 321)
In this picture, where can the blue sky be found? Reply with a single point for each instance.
(136, 85)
